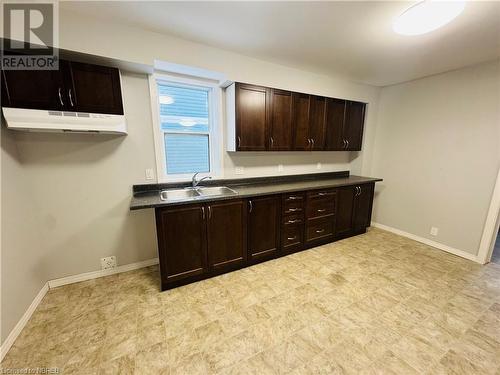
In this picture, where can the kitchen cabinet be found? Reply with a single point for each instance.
(320, 215)
(226, 228)
(263, 227)
(267, 119)
(252, 104)
(354, 209)
(75, 87)
(281, 131)
(182, 242)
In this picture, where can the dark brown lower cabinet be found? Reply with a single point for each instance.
(182, 242)
(226, 234)
(197, 241)
(263, 227)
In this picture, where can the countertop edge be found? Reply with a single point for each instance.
(243, 195)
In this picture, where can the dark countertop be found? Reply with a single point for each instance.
(150, 198)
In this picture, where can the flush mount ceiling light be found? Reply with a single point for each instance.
(166, 99)
(427, 16)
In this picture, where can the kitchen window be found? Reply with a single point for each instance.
(186, 127)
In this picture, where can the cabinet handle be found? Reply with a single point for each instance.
(356, 191)
(272, 142)
(293, 197)
(359, 187)
(291, 238)
(203, 213)
(308, 142)
(293, 221)
(347, 141)
(312, 140)
(251, 206)
(320, 231)
(209, 212)
(322, 194)
(70, 98)
(321, 210)
(294, 209)
(239, 141)
(60, 97)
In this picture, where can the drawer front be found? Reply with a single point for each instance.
(321, 207)
(319, 228)
(321, 194)
(293, 207)
(293, 235)
(294, 197)
(293, 219)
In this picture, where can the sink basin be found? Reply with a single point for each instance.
(196, 193)
(213, 191)
(178, 194)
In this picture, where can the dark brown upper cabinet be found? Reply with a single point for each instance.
(94, 88)
(300, 121)
(252, 114)
(263, 227)
(74, 87)
(281, 132)
(267, 119)
(317, 120)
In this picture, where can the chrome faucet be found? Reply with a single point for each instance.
(195, 182)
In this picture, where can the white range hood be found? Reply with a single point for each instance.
(63, 121)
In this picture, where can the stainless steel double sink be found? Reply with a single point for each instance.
(190, 193)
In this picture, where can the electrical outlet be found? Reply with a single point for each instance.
(108, 263)
(239, 170)
(434, 231)
(280, 168)
(150, 174)
(318, 166)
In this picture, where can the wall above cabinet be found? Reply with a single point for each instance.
(261, 118)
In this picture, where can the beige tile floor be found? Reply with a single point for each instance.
(373, 304)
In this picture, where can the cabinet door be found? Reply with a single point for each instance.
(94, 88)
(226, 234)
(345, 211)
(33, 89)
(251, 117)
(300, 119)
(363, 207)
(263, 227)
(182, 242)
(317, 122)
(353, 128)
(281, 120)
(335, 116)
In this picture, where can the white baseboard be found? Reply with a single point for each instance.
(426, 241)
(6, 345)
(95, 274)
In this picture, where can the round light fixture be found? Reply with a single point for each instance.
(166, 99)
(187, 122)
(427, 16)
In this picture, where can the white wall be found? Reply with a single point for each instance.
(81, 185)
(437, 147)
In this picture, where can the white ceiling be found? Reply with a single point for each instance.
(353, 39)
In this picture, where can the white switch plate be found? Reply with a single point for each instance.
(434, 231)
(150, 175)
(239, 170)
(318, 166)
(280, 167)
(108, 262)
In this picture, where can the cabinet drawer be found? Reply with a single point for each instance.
(320, 207)
(321, 194)
(319, 228)
(293, 235)
(293, 207)
(293, 219)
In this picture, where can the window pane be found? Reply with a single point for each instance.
(187, 153)
(183, 109)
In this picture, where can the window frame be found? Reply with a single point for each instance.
(214, 125)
